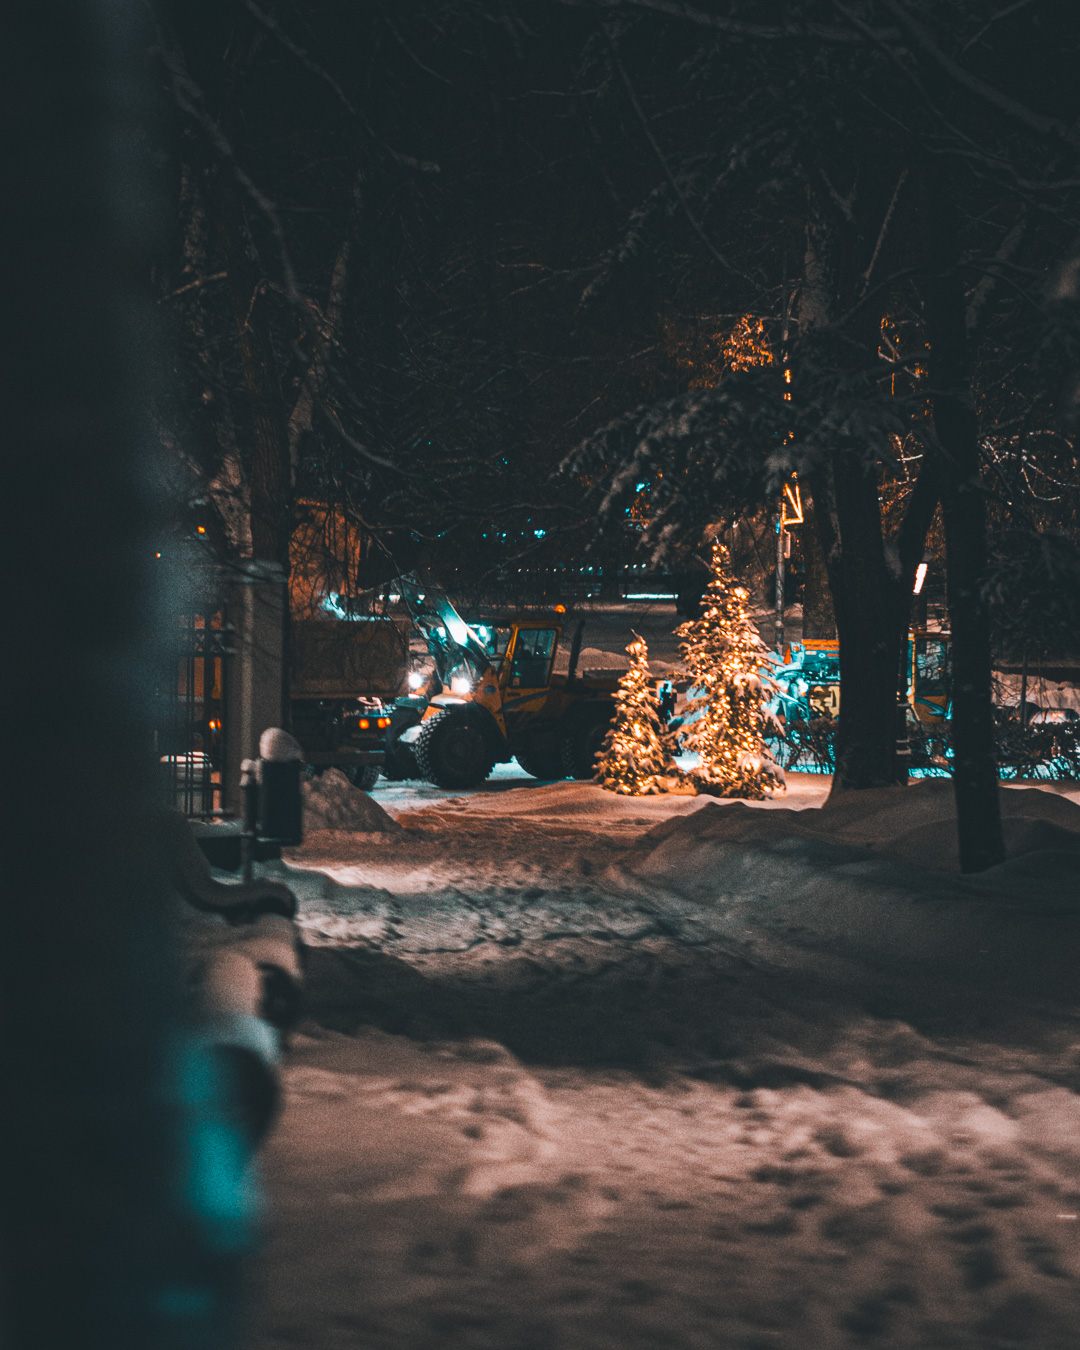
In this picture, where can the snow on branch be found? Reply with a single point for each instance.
(669, 466)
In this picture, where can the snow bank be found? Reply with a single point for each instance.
(915, 824)
(597, 660)
(1046, 693)
(331, 802)
(861, 880)
(918, 823)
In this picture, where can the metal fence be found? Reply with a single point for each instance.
(190, 740)
(1047, 750)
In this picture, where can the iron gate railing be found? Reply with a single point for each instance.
(190, 740)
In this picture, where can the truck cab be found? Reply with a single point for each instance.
(343, 733)
(342, 674)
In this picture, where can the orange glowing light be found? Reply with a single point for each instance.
(792, 499)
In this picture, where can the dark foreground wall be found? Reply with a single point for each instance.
(104, 1244)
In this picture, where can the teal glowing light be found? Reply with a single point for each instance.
(216, 1185)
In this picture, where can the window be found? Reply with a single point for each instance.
(533, 651)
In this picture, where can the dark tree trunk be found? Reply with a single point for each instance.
(975, 777)
(271, 468)
(819, 620)
(871, 620)
(866, 594)
(271, 460)
(870, 583)
(101, 1239)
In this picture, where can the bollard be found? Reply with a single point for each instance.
(249, 789)
(280, 815)
(903, 743)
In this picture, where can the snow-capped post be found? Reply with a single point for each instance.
(633, 759)
(249, 794)
(728, 713)
(280, 816)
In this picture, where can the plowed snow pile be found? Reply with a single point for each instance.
(331, 802)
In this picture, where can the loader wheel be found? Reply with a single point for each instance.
(364, 776)
(581, 746)
(541, 755)
(400, 762)
(453, 752)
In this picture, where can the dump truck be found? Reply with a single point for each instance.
(494, 696)
(343, 675)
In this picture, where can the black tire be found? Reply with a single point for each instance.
(541, 755)
(582, 744)
(364, 777)
(453, 752)
(400, 762)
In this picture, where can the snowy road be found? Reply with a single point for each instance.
(566, 1085)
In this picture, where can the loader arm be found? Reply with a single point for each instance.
(450, 640)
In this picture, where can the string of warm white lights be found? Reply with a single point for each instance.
(726, 716)
(633, 760)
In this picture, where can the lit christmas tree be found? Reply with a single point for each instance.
(633, 760)
(724, 655)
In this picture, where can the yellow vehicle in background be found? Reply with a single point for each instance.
(929, 675)
(812, 673)
(499, 696)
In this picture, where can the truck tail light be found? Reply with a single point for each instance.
(364, 723)
(381, 722)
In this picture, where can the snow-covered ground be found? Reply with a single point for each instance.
(588, 1071)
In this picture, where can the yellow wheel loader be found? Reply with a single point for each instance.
(500, 697)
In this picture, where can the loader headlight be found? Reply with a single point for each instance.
(415, 679)
(460, 684)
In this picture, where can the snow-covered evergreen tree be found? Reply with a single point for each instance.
(724, 655)
(633, 760)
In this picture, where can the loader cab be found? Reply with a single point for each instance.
(521, 654)
(531, 657)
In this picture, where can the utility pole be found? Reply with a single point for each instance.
(790, 498)
(782, 544)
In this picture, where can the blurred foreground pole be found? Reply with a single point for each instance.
(103, 1244)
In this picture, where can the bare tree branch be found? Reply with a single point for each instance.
(982, 291)
(196, 285)
(993, 19)
(695, 224)
(320, 72)
(190, 99)
(675, 9)
(1048, 127)
(883, 231)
